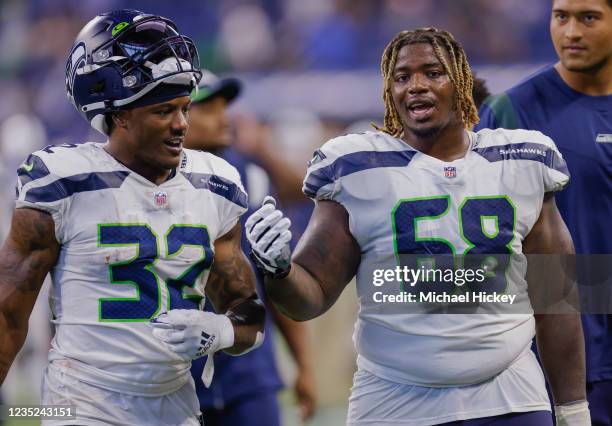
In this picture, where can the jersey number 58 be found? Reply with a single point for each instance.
(483, 247)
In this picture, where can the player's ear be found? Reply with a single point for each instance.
(120, 119)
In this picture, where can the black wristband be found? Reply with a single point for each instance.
(279, 274)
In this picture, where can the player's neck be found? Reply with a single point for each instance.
(595, 83)
(449, 145)
(154, 175)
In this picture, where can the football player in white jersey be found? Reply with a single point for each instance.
(129, 230)
(424, 184)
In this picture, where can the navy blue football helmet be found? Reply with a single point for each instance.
(120, 57)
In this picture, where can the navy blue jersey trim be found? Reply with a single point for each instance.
(218, 185)
(525, 151)
(33, 168)
(353, 163)
(66, 187)
(309, 190)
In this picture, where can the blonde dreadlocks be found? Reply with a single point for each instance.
(458, 71)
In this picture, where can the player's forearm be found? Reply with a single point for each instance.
(299, 295)
(248, 319)
(26, 257)
(561, 347)
(295, 334)
(16, 304)
(12, 336)
(245, 339)
(324, 262)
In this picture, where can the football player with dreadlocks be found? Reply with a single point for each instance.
(129, 230)
(425, 185)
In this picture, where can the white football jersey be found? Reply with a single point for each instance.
(130, 250)
(401, 201)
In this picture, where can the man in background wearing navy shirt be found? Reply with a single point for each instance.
(571, 102)
(243, 390)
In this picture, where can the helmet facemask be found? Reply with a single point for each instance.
(138, 58)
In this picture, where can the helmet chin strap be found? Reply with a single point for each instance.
(99, 123)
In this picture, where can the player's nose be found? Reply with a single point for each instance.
(572, 29)
(417, 84)
(179, 123)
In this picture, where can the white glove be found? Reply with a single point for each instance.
(192, 333)
(573, 414)
(268, 233)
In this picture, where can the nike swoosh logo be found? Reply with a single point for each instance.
(28, 167)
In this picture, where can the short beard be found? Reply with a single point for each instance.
(588, 69)
(429, 133)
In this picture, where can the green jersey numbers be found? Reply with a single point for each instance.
(486, 225)
(140, 271)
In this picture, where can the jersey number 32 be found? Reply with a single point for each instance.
(139, 271)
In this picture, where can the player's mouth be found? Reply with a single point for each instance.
(175, 145)
(421, 109)
(574, 48)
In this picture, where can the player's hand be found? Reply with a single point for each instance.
(305, 392)
(192, 333)
(268, 233)
(573, 414)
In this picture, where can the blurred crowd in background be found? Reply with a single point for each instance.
(312, 65)
(309, 68)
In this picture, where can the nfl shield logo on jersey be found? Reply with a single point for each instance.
(450, 172)
(160, 199)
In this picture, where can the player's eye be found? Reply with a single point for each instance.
(561, 17)
(589, 18)
(162, 112)
(433, 74)
(401, 78)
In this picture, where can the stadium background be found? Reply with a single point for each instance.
(310, 70)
